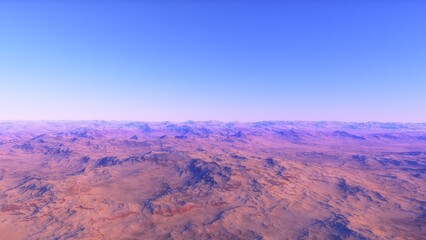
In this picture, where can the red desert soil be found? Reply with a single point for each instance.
(212, 180)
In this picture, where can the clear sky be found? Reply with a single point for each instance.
(213, 60)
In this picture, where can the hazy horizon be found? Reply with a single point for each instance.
(207, 121)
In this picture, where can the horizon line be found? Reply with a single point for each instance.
(208, 121)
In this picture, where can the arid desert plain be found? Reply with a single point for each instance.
(212, 180)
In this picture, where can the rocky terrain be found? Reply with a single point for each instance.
(212, 180)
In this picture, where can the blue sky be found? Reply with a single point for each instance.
(213, 60)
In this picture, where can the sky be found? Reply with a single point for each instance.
(220, 60)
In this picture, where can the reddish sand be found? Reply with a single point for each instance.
(210, 180)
